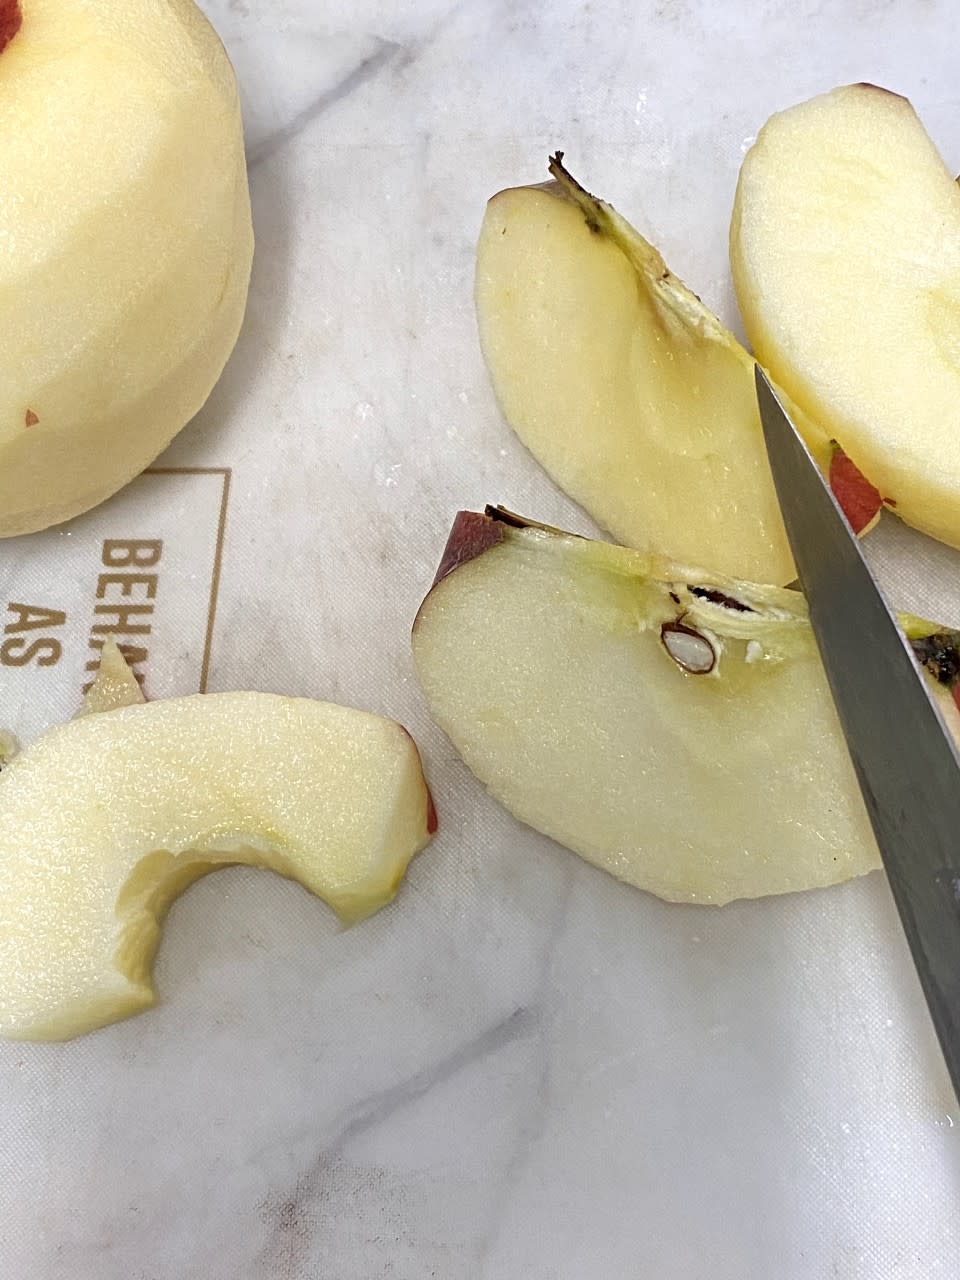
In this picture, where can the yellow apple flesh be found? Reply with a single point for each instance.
(576, 680)
(106, 819)
(635, 398)
(115, 684)
(845, 248)
(125, 242)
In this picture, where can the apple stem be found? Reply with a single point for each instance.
(591, 206)
(11, 20)
(471, 535)
(501, 514)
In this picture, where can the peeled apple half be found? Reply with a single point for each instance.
(125, 242)
(670, 725)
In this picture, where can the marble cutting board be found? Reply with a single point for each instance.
(521, 1069)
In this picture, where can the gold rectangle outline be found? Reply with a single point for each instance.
(226, 474)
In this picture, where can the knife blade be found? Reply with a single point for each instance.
(905, 759)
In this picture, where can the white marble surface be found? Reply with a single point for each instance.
(521, 1068)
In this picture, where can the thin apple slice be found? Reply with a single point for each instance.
(635, 398)
(106, 819)
(672, 726)
(845, 247)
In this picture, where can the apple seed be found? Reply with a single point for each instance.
(716, 596)
(688, 648)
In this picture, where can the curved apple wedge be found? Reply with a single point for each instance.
(623, 385)
(845, 249)
(106, 819)
(673, 727)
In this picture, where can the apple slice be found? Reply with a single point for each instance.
(106, 819)
(672, 726)
(635, 398)
(845, 246)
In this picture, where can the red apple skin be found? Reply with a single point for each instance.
(858, 498)
(879, 88)
(471, 535)
(11, 19)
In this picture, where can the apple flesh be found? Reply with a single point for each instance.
(125, 242)
(845, 248)
(106, 819)
(672, 726)
(114, 686)
(632, 395)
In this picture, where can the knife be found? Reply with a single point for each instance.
(905, 759)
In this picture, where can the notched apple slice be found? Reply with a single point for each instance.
(630, 392)
(106, 819)
(699, 779)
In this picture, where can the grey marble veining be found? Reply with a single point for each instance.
(520, 1068)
